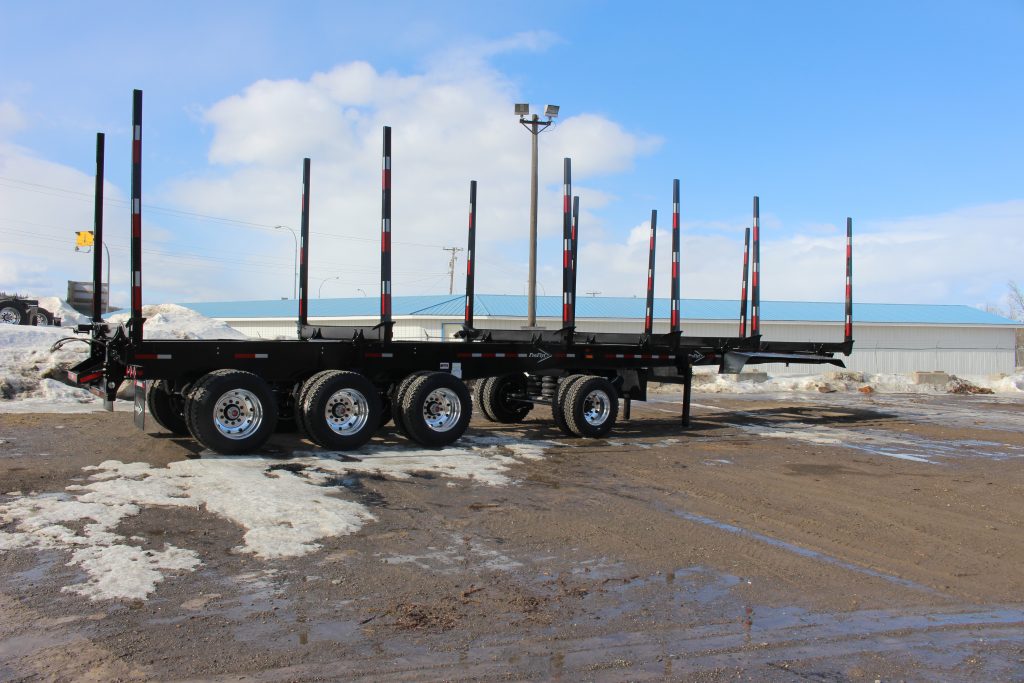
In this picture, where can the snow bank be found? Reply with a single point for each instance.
(849, 381)
(32, 377)
(69, 317)
(170, 321)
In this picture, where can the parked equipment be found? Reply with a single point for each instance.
(19, 310)
(340, 384)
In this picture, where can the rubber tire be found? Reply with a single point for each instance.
(574, 405)
(315, 404)
(209, 390)
(13, 311)
(478, 397)
(43, 317)
(189, 394)
(167, 410)
(399, 396)
(415, 399)
(495, 403)
(299, 398)
(558, 404)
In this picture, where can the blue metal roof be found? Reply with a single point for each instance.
(514, 305)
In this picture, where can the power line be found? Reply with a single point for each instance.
(187, 214)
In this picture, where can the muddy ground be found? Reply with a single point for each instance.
(782, 538)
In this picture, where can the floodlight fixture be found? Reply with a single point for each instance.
(522, 109)
(551, 110)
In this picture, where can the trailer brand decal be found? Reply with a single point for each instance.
(374, 354)
(152, 356)
(250, 356)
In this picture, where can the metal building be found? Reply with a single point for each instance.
(890, 338)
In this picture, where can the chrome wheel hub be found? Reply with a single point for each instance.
(237, 414)
(597, 407)
(442, 409)
(347, 411)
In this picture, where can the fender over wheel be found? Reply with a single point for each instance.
(591, 406)
(231, 411)
(342, 410)
(436, 409)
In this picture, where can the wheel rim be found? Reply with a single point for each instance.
(347, 411)
(238, 414)
(41, 319)
(597, 406)
(442, 409)
(10, 315)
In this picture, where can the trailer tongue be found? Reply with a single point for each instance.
(339, 384)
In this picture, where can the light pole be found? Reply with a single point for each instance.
(536, 127)
(321, 289)
(295, 259)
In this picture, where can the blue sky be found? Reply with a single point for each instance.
(905, 116)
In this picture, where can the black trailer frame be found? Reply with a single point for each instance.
(340, 383)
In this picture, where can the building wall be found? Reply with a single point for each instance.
(878, 348)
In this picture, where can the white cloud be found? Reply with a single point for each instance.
(449, 126)
(937, 258)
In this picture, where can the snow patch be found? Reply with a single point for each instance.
(852, 382)
(32, 376)
(285, 511)
(171, 321)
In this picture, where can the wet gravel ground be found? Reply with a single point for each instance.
(782, 538)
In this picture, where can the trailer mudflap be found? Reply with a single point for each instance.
(733, 361)
(141, 386)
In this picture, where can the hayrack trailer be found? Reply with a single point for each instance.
(340, 384)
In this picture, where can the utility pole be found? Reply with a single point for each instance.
(536, 127)
(451, 266)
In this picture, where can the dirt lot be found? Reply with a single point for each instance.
(782, 538)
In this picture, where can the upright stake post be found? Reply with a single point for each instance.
(385, 238)
(136, 322)
(674, 295)
(649, 317)
(575, 250)
(304, 249)
(568, 302)
(848, 328)
(470, 256)
(97, 227)
(743, 286)
(755, 296)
